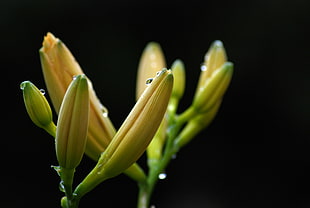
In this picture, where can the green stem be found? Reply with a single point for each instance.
(66, 176)
(146, 188)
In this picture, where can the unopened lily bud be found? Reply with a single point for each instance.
(214, 89)
(72, 125)
(37, 107)
(179, 79)
(195, 125)
(152, 60)
(134, 135)
(59, 66)
(178, 86)
(214, 59)
(155, 148)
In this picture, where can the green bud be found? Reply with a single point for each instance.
(214, 88)
(72, 124)
(178, 72)
(178, 86)
(37, 107)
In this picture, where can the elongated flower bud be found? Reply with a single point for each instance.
(37, 107)
(152, 61)
(135, 133)
(59, 66)
(213, 89)
(214, 59)
(72, 125)
(178, 86)
(155, 148)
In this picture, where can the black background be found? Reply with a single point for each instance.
(255, 153)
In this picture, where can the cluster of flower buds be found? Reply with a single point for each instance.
(83, 124)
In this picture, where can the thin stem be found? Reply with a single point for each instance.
(146, 188)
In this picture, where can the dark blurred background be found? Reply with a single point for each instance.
(255, 153)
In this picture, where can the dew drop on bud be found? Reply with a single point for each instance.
(162, 176)
(149, 81)
(203, 67)
(42, 91)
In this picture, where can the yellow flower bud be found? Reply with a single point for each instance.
(37, 107)
(152, 61)
(72, 125)
(135, 133)
(213, 89)
(59, 67)
(214, 59)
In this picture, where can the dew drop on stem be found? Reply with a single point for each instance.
(162, 176)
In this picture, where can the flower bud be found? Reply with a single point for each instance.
(135, 133)
(37, 107)
(214, 59)
(72, 125)
(155, 148)
(178, 86)
(59, 66)
(179, 79)
(213, 90)
(152, 61)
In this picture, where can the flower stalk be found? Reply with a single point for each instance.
(154, 123)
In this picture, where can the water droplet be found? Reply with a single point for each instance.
(203, 67)
(162, 176)
(105, 114)
(42, 91)
(174, 156)
(158, 73)
(23, 85)
(149, 81)
(61, 186)
(74, 77)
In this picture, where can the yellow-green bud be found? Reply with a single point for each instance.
(154, 150)
(213, 89)
(152, 60)
(134, 135)
(178, 86)
(72, 125)
(37, 107)
(214, 59)
(179, 79)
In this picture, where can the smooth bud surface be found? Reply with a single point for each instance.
(37, 107)
(152, 60)
(72, 125)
